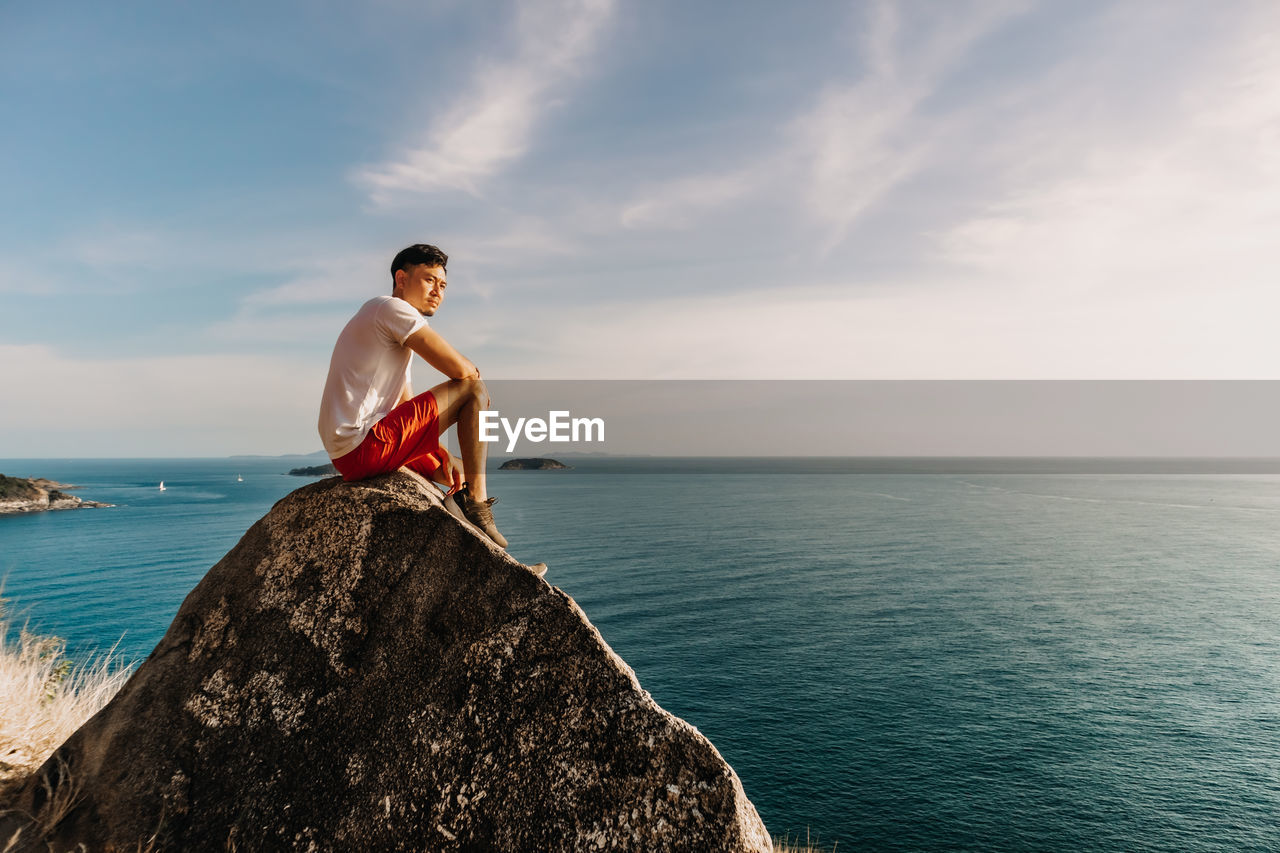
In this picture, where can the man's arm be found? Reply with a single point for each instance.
(438, 353)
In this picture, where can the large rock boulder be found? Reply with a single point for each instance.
(364, 671)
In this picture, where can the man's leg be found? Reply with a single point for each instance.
(460, 402)
(406, 436)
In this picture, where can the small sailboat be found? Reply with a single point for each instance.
(162, 485)
(239, 478)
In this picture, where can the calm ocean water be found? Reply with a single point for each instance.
(901, 655)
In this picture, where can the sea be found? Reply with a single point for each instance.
(893, 654)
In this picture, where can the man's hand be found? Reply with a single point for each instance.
(450, 473)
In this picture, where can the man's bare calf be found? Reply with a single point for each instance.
(460, 402)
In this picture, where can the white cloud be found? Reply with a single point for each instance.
(855, 140)
(858, 141)
(109, 255)
(23, 277)
(1116, 219)
(305, 330)
(167, 405)
(514, 242)
(348, 278)
(115, 246)
(672, 204)
(344, 278)
(493, 122)
(938, 330)
(1162, 223)
(1124, 202)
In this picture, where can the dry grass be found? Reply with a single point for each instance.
(787, 844)
(44, 697)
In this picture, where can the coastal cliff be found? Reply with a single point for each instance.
(19, 495)
(366, 671)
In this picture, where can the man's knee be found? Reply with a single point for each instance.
(473, 389)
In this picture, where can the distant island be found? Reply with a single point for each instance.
(21, 494)
(316, 454)
(533, 465)
(315, 470)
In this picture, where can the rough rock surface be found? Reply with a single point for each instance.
(363, 671)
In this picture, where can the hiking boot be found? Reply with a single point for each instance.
(480, 514)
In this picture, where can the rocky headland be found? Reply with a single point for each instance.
(534, 464)
(366, 671)
(324, 470)
(21, 494)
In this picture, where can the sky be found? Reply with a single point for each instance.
(196, 197)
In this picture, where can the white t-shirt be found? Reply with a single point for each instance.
(367, 373)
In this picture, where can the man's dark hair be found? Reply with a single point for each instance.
(418, 253)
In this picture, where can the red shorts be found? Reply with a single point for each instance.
(407, 436)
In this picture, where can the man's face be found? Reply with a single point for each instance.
(422, 287)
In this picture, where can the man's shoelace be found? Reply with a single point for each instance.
(481, 510)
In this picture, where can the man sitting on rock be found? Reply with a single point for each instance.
(370, 421)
